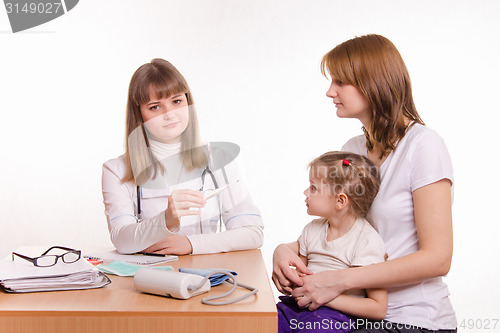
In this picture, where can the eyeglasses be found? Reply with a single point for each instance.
(46, 260)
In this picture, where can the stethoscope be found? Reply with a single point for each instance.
(203, 175)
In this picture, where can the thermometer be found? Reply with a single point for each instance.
(210, 193)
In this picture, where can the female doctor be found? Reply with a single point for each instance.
(153, 194)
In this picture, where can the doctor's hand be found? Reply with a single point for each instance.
(288, 268)
(174, 244)
(179, 204)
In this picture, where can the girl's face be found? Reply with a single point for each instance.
(349, 101)
(166, 118)
(320, 199)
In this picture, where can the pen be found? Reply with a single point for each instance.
(151, 254)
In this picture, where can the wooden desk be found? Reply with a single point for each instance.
(120, 308)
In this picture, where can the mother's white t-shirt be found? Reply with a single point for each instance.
(421, 158)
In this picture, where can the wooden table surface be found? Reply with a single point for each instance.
(119, 307)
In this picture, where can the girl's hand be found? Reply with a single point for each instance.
(319, 289)
(179, 204)
(284, 276)
(174, 244)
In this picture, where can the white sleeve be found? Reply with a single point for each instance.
(429, 160)
(243, 238)
(302, 240)
(238, 209)
(127, 235)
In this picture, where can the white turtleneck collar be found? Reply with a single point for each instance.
(163, 150)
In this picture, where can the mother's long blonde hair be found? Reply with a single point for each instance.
(165, 80)
(374, 65)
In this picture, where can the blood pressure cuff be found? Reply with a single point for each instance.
(215, 280)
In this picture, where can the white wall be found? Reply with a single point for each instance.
(254, 71)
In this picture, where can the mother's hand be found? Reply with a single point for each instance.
(284, 276)
(319, 289)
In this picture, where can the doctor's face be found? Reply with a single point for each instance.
(166, 118)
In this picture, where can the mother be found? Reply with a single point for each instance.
(412, 211)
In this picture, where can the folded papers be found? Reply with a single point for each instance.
(23, 277)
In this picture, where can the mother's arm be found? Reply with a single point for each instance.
(432, 207)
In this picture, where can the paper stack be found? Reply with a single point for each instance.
(21, 276)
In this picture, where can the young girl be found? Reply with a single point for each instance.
(412, 211)
(153, 194)
(342, 188)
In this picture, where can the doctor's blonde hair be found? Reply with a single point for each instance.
(372, 64)
(165, 80)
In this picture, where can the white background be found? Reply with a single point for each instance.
(253, 68)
